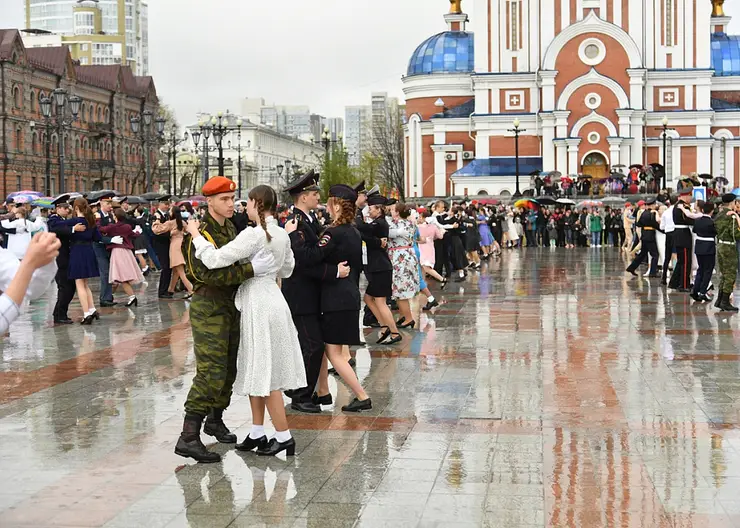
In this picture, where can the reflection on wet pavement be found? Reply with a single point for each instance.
(549, 390)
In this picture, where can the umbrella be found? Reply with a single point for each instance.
(135, 200)
(636, 166)
(736, 191)
(566, 179)
(546, 200)
(535, 172)
(154, 197)
(526, 203)
(197, 198)
(23, 197)
(721, 180)
(565, 201)
(617, 175)
(44, 203)
(99, 195)
(705, 176)
(613, 200)
(553, 174)
(584, 176)
(590, 203)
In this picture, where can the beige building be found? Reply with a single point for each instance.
(98, 32)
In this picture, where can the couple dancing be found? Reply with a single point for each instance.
(234, 280)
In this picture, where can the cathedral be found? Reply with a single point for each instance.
(586, 85)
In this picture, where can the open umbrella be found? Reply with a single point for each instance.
(636, 166)
(617, 175)
(705, 176)
(546, 200)
(535, 172)
(590, 203)
(135, 200)
(44, 203)
(566, 179)
(23, 197)
(153, 197)
(736, 191)
(613, 200)
(197, 198)
(721, 180)
(99, 195)
(565, 201)
(526, 203)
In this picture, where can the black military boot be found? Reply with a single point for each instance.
(189, 444)
(725, 304)
(216, 427)
(718, 300)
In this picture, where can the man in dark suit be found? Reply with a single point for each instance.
(102, 254)
(161, 245)
(61, 224)
(302, 290)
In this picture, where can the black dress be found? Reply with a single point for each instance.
(82, 261)
(379, 270)
(340, 299)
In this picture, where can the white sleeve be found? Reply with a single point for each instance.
(289, 263)
(40, 280)
(244, 246)
(663, 220)
(9, 312)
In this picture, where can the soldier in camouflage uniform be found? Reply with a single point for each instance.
(727, 223)
(215, 324)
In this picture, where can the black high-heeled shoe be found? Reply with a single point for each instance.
(132, 302)
(249, 443)
(444, 284)
(401, 321)
(87, 320)
(274, 447)
(385, 335)
(395, 338)
(96, 315)
(410, 324)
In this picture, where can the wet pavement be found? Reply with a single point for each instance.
(548, 390)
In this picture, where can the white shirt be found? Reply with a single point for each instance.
(40, 281)
(666, 221)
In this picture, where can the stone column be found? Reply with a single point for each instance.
(573, 161)
(548, 138)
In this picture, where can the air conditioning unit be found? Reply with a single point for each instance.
(468, 155)
(451, 156)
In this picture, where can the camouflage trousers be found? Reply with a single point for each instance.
(215, 325)
(727, 264)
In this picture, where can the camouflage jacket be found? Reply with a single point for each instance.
(727, 229)
(230, 277)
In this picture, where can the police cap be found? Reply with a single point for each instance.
(375, 190)
(360, 187)
(63, 199)
(728, 198)
(304, 183)
(377, 199)
(345, 192)
(651, 201)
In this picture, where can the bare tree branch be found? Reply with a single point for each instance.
(388, 143)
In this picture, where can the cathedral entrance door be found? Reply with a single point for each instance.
(595, 165)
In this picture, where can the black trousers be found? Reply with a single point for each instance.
(442, 255)
(65, 293)
(312, 348)
(668, 254)
(681, 277)
(163, 254)
(649, 247)
(703, 273)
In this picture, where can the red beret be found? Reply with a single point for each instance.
(218, 185)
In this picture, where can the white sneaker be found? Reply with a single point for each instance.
(598, 245)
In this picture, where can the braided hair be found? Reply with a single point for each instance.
(347, 212)
(265, 200)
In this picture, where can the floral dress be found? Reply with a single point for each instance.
(403, 257)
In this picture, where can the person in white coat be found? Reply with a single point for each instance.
(18, 242)
(270, 359)
(28, 279)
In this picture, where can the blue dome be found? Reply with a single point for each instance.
(725, 54)
(448, 52)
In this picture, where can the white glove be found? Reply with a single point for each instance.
(117, 240)
(262, 262)
(138, 229)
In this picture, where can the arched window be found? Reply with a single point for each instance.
(107, 115)
(85, 147)
(83, 113)
(99, 115)
(110, 151)
(18, 100)
(19, 139)
(35, 143)
(125, 156)
(77, 148)
(33, 102)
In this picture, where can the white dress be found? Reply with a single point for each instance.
(269, 352)
(18, 243)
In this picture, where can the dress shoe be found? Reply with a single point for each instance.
(250, 444)
(96, 315)
(194, 448)
(697, 297)
(633, 272)
(166, 296)
(305, 407)
(385, 335)
(65, 321)
(401, 321)
(108, 304)
(132, 302)
(394, 338)
(683, 290)
(322, 400)
(87, 321)
(430, 304)
(274, 447)
(356, 405)
(215, 426)
(444, 284)
(654, 275)
(410, 324)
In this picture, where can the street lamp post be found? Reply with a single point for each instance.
(146, 136)
(665, 130)
(172, 142)
(516, 130)
(60, 100)
(219, 127)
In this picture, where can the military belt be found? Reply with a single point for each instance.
(705, 239)
(216, 293)
(682, 226)
(726, 243)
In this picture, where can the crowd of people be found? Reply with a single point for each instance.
(275, 289)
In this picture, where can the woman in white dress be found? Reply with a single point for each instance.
(18, 242)
(270, 359)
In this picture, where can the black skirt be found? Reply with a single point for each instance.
(341, 328)
(472, 239)
(459, 258)
(379, 283)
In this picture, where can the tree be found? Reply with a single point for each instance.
(369, 169)
(335, 168)
(388, 146)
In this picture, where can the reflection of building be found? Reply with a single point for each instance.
(358, 132)
(590, 85)
(98, 32)
(100, 147)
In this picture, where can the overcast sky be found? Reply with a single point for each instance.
(208, 55)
